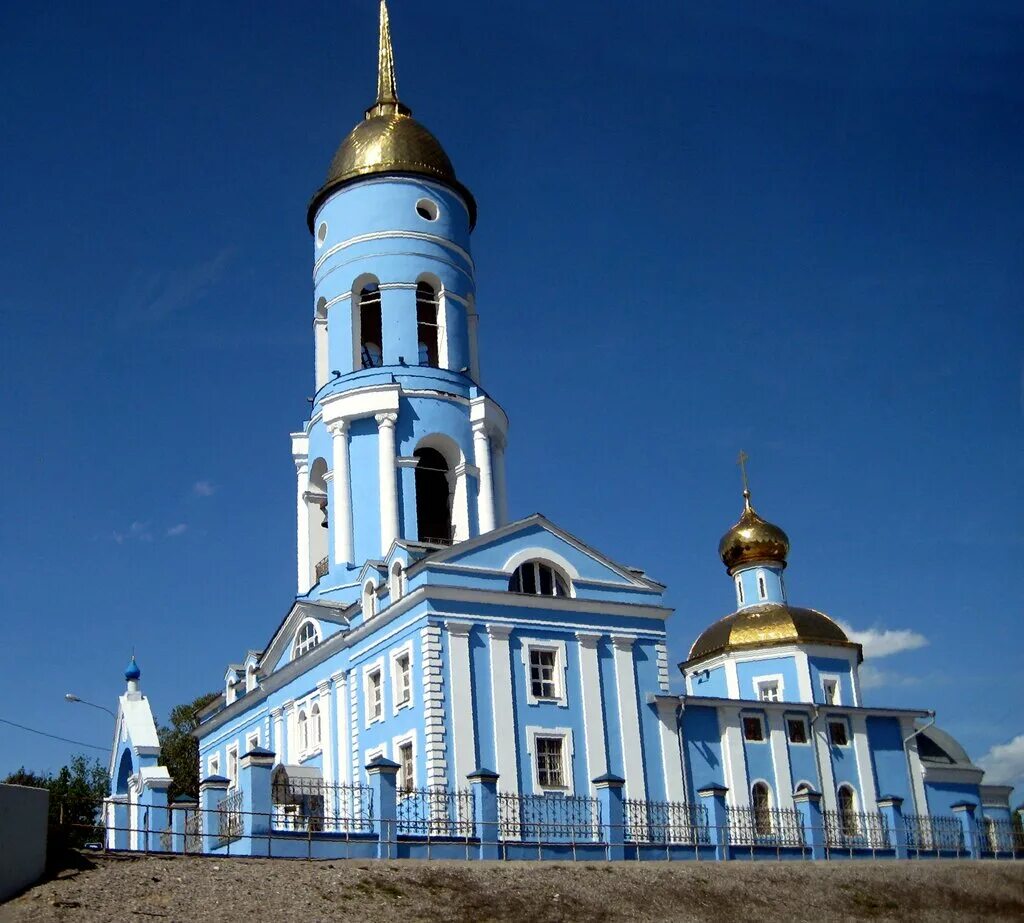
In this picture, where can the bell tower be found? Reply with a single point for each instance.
(402, 441)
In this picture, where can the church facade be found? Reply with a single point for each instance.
(436, 640)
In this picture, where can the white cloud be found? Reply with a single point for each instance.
(180, 529)
(1004, 763)
(203, 489)
(885, 642)
(873, 678)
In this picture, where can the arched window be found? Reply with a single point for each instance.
(321, 362)
(762, 587)
(803, 787)
(739, 588)
(317, 515)
(433, 497)
(306, 638)
(314, 727)
(303, 731)
(427, 327)
(761, 797)
(370, 331)
(538, 578)
(369, 599)
(396, 581)
(847, 801)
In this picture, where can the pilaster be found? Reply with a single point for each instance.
(387, 473)
(342, 503)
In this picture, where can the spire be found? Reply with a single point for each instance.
(742, 462)
(387, 85)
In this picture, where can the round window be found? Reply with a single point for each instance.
(427, 209)
(321, 234)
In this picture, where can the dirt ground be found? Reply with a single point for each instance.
(120, 888)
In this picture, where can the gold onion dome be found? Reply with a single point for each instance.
(753, 540)
(388, 140)
(769, 625)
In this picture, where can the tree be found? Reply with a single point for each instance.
(179, 750)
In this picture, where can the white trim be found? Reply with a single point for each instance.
(732, 679)
(629, 717)
(317, 632)
(805, 720)
(839, 719)
(734, 758)
(862, 754)
(463, 729)
(503, 708)
(252, 740)
(831, 678)
(546, 556)
(803, 676)
(671, 755)
(767, 680)
(396, 704)
(325, 255)
(746, 715)
(397, 742)
(915, 770)
(372, 753)
(823, 751)
(779, 740)
(377, 666)
(560, 670)
(762, 585)
(590, 693)
(535, 731)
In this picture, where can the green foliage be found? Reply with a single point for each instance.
(179, 750)
(76, 799)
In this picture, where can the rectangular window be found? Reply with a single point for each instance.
(768, 690)
(233, 765)
(404, 669)
(252, 741)
(550, 773)
(406, 770)
(375, 694)
(753, 728)
(214, 766)
(796, 728)
(739, 588)
(837, 733)
(830, 689)
(542, 673)
(762, 589)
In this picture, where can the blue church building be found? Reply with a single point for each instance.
(437, 643)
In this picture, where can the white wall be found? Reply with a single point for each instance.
(22, 837)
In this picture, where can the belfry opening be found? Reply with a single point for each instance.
(433, 497)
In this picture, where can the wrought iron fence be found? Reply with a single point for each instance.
(765, 826)
(436, 812)
(1001, 836)
(229, 818)
(855, 830)
(547, 818)
(323, 568)
(666, 822)
(193, 832)
(312, 806)
(933, 833)
(166, 842)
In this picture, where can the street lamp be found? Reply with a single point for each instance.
(71, 697)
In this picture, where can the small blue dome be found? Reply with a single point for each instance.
(132, 671)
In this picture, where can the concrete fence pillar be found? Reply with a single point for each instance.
(255, 769)
(180, 810)
(891, 809)
(121, 821)
(713, 798)
(153, 807)
(383, 774)
(609, 789)
(964, 811)
(484, 786)
(211, 792)
(808, 806)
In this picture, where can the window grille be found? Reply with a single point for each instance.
(543, 676)
(550, 770)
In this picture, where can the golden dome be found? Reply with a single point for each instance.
(388, 140)
(753, 540)
(768, 625)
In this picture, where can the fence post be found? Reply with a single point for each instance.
(891, 808)
(713, 798)
(808, 805)
(211, 791)
(383, 774)
(119, 840)
(613, 813)
(154, 799)
(179, 815)
(484, 785)
(964, 810)
(257, 808)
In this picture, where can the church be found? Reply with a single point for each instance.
(436, 642)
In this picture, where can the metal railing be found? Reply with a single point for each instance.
(194, 832)
(310, 805)
(323, 567)
(855, 830)
(765, 826)
(548, 818)
(436, 812)
(1000, 837)
(229, 818)
(925, 832)
(666, 822)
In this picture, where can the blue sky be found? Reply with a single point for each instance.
(793, 228)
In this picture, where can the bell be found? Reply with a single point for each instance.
(323, 509)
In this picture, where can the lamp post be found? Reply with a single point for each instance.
(71, 697)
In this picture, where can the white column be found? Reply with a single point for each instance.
(593, 720)
(291, 750)
(734, 759)
(323, 689)
(501, 700)
(780, 759)
(277, 743)
(671, 754)
(463, 733)
(823, 751)
(342, 512)
(302, 523)
(914, 767)
(340, 682)
(500, 484)
(485, 491)
(320, 349)
(388, 479)
(629, 718)
(865, 772)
